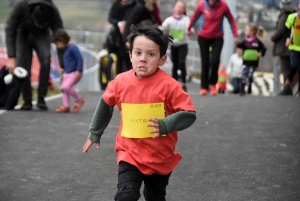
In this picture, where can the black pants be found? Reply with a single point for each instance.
(210, 62)
(285, 66)
(295, 66)
(247, 77)
(40, 42)
(130, 180)
(178, 56)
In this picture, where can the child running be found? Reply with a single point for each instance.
(151, 114)
(253, 49)
(178, 24)
(73, 65)
(222, 79)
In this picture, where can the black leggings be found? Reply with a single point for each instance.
(210, 61)
(178, 56)
(130, 180)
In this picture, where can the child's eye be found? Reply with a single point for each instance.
(151, 54)
(137, 53)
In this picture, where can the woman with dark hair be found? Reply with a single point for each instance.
(210, 34)
(279, 38)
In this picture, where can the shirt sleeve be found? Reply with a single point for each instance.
(76, 53)
(232, 22)
(181, 101)
(166, 23)
(109, 95)
(195, 16)
(290, 21)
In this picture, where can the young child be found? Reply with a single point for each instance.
(153, 108)
(177, 24)
(235, 70)
(73, 66)
(222, 79)
(253, 49)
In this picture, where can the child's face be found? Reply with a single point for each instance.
(179, 8)
(221, 68)
(239, 51)
(60, 45)
(248, 32)
(145, 57)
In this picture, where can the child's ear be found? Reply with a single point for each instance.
(130, 55)
(162, 60)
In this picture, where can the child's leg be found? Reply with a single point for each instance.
(174, 59)
(129, 182)
(250, 79)
(182, 53)
(244, 78)
(70, 80)
(155, 187)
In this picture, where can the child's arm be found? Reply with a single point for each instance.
(262, 48)
(175, 122)
(101, 119)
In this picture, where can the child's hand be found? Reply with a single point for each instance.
(154, 125)
(78, 75)
(259, 55)
(189, 33)
(88, 145)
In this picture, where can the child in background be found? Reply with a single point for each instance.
(177, 24)
(145, 148)
(73, 66)
(253, 49)
(235, 70)
(222, 79)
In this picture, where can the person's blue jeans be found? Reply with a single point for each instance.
(236, 82)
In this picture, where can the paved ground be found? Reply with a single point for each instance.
(240, 148)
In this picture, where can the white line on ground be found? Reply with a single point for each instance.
(34, 102)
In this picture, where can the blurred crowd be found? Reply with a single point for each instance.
(35, 24)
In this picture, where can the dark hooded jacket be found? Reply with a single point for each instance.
(20, 18)
(278, 37)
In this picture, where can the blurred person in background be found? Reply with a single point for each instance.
(292, 35)
(210, 35)
(235, 70)
(27, 28)
(279, 38)
(177, 25)
(72, 72)
(122, 14)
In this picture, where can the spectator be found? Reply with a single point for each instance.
(27, 28)
(152, 6)
(177, 24)
(279, 38)
(235, 69)
(122, 15)
(210, 34)
(293, 43)
(253, 49)
(72, 73)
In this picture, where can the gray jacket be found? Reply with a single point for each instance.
(278, 38)
(20, 18)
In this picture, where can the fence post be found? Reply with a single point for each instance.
(276, 72)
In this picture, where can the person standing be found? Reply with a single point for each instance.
(177, 25)
(235, 70)
(279, 39)
(27, 28)
(210, 34)
(293, 43)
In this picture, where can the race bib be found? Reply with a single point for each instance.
(135, 119)
(177, 33)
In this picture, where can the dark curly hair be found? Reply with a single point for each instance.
(152, 32)
(60, 35)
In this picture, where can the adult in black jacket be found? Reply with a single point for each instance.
(122, 14)
(279, 38)
(27, 28)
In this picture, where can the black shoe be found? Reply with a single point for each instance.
(41, 104)
(287, 91)
(26, 106)
(184, 88)
(249, 90)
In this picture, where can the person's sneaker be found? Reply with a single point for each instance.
(203, 92)
(62, 109)
(184, 88)
(249, 89)
(287, 91)
(213, 90)
(26, 106)
(41, 104)
(78, 105)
